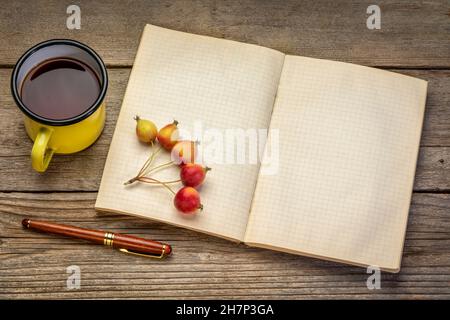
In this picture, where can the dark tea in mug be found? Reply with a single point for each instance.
(60, 88)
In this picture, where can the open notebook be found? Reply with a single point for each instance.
(348, 139)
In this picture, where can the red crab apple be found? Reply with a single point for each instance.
(192, 174)
(187, 200)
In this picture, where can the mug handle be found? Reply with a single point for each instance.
(41, 154)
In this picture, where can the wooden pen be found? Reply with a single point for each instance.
(122, 242)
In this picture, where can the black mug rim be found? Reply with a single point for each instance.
(60, 122)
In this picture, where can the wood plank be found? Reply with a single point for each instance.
(82, 171)
(413, 33)
(33, 265)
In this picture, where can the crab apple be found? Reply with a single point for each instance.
(146, 130)
(192, 174)
(184, 152)
(168, 135)
(187, 200)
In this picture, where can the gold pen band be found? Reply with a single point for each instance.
(108, 239)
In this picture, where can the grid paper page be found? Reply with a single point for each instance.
(221, 84)
(349, 139)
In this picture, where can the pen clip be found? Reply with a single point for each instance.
(147, 255)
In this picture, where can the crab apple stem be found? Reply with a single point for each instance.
(143, 179)
(146, 164)
(149, 161)
(200, 207)
(131, 181)
(207, 169)
(154, 169)
(154, 181)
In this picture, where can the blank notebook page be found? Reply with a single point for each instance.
(204, 83)
(349, 138)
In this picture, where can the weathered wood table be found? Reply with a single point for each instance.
(414, 39)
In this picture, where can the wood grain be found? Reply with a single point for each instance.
(413, 40)
(413, 33)
(34, 265)
(85, 169)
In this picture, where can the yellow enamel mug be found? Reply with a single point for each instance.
(60, 135)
